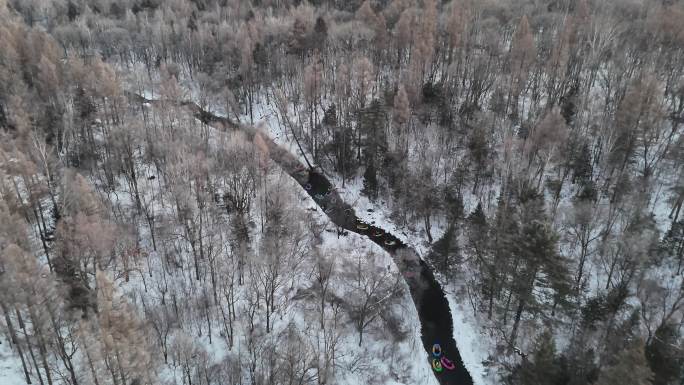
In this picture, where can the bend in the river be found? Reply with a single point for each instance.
(428, 296)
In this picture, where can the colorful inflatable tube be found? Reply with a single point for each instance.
(437, 365)
(436, 350)
(447, 363)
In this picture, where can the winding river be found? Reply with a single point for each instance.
(428, 295)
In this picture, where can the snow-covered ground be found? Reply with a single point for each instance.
(10, 366)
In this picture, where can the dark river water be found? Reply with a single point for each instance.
(428, 296)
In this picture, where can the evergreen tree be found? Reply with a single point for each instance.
(581, 165)
(587, 192)
(372, 121)
(665, 356)
(478, 150)
(630, 368)
(341, 143)
(330, 116)
(400, 117)
(503, 243)
(319, 34)
(672, 246)
(478, 230)
(477, 219)
(579, 366)
(538, 260)
(478, 235)
(620, 336)
(394, 170)
(454, 205)
(370, 181)
(445, 252)
(344, 153)
(543, 368)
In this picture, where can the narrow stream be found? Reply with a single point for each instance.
(428, 296)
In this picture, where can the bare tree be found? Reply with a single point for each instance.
(371, 290)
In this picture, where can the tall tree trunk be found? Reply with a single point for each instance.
(42, 348)
(28, 345)
(91, 365)
(66, 359)
(15, 341)
(516, 322)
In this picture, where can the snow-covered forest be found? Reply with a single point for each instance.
(209, 192)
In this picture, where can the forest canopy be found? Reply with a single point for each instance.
(152, 229)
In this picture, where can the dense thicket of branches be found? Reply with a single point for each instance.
(537, 145)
